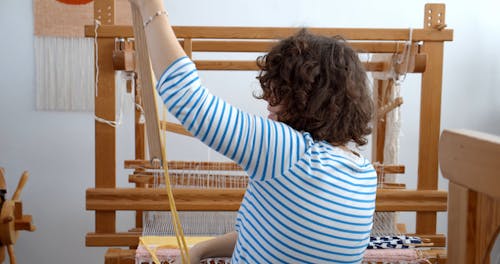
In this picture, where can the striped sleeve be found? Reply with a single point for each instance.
(262, 147)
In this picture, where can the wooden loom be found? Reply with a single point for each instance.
(12, 219)
(106, 199)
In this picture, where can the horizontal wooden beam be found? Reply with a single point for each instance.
(387, 34)
(127, 256)
(438, 240)
(263, 46)
(123, 239)
(389, 168)
(411, 200)
(111, 199)
(228, 166)
(174, 128)
(251, 65)
(131, 239)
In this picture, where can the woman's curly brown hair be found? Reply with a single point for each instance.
(321, 85)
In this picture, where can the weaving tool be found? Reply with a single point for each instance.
(156, 146)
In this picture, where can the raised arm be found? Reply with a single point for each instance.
(262, 147)
(164, 48)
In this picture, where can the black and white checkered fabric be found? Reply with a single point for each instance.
(382, 242)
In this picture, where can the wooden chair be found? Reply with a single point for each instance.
(471, 161)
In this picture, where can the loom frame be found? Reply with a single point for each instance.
(106, 199)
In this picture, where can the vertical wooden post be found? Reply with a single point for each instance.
(457, 207)
(430, 115)
(380, 98)
(140, 146)
(383, 89)
(188, 47)
(105, 136)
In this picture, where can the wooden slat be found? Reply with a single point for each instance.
(229, 166)
(209, 178)
(240, 65)
(281, 32)
(148, 91)
(265, 45)
(126, 239)
(430, 120)
(155, 199)
(130, 239)
(411, 200)
(123, 239)
(389, 185)
(470, 158)
(174, 128)
(140, 146)
(229, 199)
(232, 45)
(233, 65)
(188, 47)
(105, 135)
(458, 207)
(439, 240)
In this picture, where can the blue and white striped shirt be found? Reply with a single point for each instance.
(307, 201)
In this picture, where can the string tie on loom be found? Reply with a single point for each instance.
(404, 58)
(130, 76)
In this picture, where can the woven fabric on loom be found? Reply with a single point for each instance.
(400, 256)
(168, 255)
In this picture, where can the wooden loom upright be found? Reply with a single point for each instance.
(106, 199)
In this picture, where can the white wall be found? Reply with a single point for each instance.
(58, 148)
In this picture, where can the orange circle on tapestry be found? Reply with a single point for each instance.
(75, 2)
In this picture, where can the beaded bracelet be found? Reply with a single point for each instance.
(157, 14)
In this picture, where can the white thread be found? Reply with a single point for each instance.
(142, 118)
(405, 56)
(126, 76)
(97, 23)
(64, 73)
(118, 122)
(96, 87)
